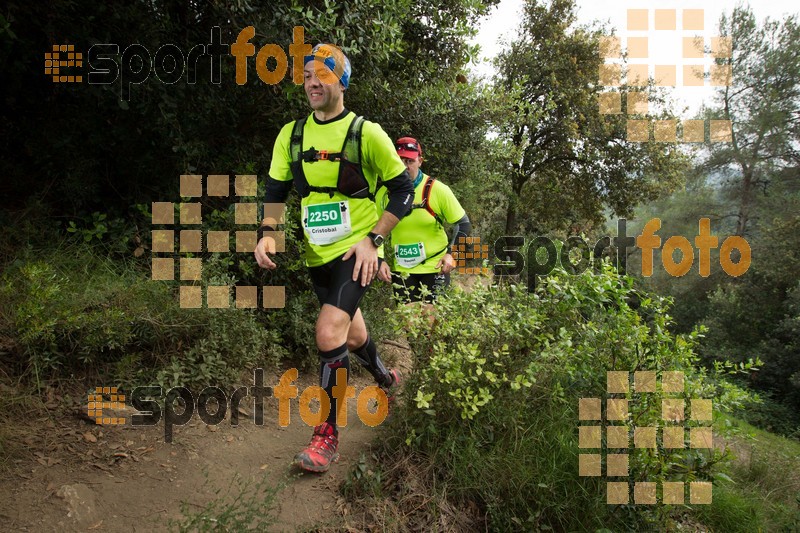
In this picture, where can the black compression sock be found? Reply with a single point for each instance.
(368, 356)
(330, 362)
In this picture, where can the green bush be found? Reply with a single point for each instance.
(493, 405)
(72, 309)
(775, 417)
(226, 342)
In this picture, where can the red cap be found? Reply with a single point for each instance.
(408, 147)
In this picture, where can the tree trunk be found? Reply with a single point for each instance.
(511, 216)
(744, 205)
(511, 213)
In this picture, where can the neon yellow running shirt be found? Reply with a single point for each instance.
(418, 240)
(332, 224)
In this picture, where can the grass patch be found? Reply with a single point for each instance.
(397, 490)
(731, 510)
(243, 506)
(765, 492)
(18, 400)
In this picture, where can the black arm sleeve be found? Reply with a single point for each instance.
(462, 228)
(277, 191)
(401, 195)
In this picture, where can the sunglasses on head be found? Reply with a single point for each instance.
(407, 146)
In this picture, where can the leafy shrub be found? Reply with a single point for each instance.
(73, 309)
(227, 342)
(494, 401)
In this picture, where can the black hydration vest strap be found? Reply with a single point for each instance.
(350, 182)
(296, 164)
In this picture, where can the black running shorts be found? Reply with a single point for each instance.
(334, 285)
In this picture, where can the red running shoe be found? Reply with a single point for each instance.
(319, 455)
(392, 389)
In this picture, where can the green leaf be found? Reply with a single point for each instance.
(723, 476)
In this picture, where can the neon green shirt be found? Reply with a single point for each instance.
(332, 224)
(419, 238)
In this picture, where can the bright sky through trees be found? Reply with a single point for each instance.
(665, 47)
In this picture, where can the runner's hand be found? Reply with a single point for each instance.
(446, 264)
(366, 260)
(264, 247)
(384, 272)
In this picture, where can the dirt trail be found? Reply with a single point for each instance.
(76, 476)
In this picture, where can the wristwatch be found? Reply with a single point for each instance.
(376, 238)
